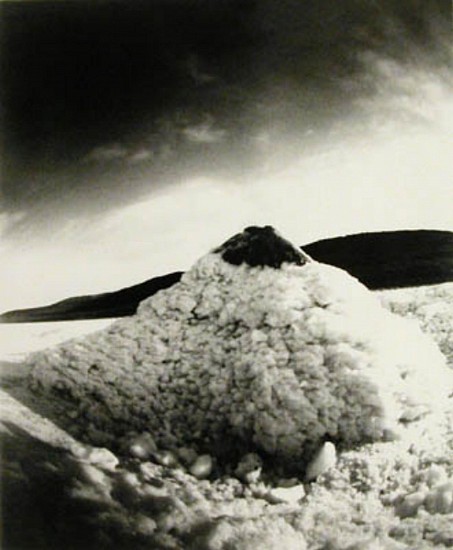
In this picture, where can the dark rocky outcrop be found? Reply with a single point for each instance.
(260, 246)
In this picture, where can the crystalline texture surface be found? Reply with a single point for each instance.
(257, 347)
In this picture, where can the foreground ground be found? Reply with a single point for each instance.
(59, 493)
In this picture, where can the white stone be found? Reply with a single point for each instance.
(202, 467)
(323, 460)
(166, 458)
(142, 446)
(289, 495)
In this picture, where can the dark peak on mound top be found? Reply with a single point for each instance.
(260, 246)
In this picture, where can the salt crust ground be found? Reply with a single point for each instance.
(387, 495)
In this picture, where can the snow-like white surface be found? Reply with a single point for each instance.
(18, 340)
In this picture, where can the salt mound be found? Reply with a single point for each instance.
(257, 347)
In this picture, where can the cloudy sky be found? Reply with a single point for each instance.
(137, 135)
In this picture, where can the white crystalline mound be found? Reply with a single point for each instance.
(278, 359)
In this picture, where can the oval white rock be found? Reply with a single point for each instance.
(166, 458)
(202, 467)
(142, 446)
(323, 460)
(289, 495)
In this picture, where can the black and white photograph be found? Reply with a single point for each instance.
(226, 274)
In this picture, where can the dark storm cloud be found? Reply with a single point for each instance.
(75, 70)
(90, 86)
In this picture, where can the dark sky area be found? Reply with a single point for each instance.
(95, 94)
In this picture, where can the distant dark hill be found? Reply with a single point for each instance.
(120, 303)
(379, 260)
(390, 259)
